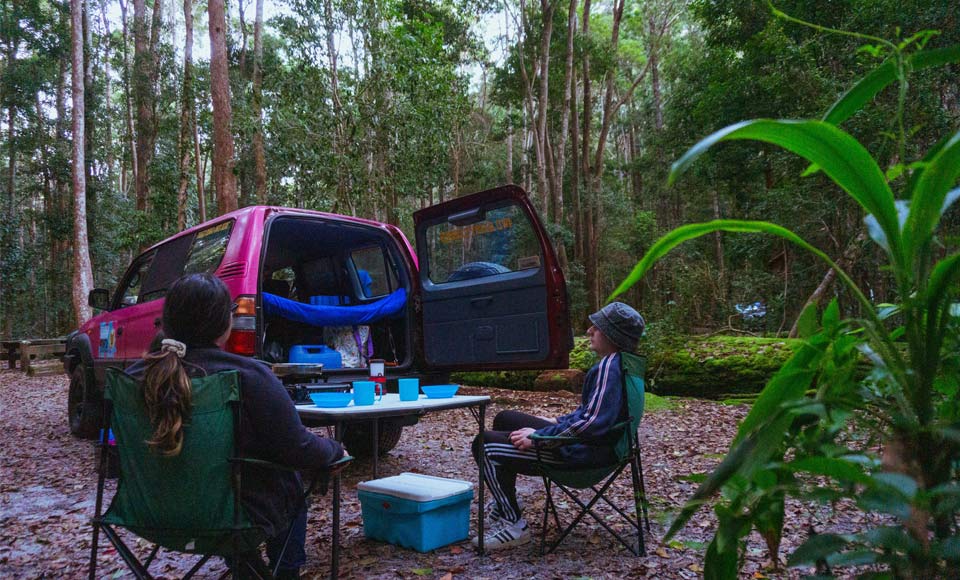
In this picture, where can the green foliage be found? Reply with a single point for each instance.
(791, 439)
(581, 357)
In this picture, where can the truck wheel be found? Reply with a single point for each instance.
(83, 408)
(357, 437)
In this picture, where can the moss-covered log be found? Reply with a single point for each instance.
(715, 367)
(709, 367)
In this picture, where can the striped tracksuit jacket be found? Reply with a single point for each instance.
(601, 407)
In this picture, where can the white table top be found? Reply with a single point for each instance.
(390, 406)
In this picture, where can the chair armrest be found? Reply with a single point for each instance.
(263, 463)
(561, 440)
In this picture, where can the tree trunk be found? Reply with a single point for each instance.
(259, 157)
(224, 181)
(339, 127)
(145, 76)
(128, 100)
(107, 100)
(509, 176)
(185, 141)
(82, 272)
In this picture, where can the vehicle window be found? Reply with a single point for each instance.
(375, 273)
(130, 291)
(208, 248)
(503, 241)
(167, 267)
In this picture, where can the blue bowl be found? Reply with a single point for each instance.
(331, 399)
(440, 391)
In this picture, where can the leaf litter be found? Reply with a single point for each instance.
(48, 489)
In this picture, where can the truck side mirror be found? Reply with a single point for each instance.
(99, 298)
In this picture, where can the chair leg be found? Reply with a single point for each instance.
(587, 509)
(638, 501)
(93, 551)
(153, 554)
(198, 565)
(128, 556)
(643, 490)
(546, 513)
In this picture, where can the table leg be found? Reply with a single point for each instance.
(375, 446)
(480, 515)
(335, 551)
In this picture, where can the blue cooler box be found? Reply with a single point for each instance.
(416, 511)
(316, 354)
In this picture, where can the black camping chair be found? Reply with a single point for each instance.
(191, 502)
(598, 479)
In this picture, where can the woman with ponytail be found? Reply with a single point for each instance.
(197, 319)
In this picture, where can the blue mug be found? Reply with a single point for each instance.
(365, 393)
(409, 389)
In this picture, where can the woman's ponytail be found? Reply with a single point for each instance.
(166, 394)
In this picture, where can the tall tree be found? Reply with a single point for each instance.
(82, 269)
(259, 157)
(146, 69)
(224, 180)
(185, 141)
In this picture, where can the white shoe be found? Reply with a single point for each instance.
(511, 534)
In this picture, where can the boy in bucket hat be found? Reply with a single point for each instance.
(507, 450)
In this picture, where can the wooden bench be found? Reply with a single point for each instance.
(39, 356)
(11, 352)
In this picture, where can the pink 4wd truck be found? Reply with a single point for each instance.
(484, 291)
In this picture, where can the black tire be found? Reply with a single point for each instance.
(84, 407)
(358, 441)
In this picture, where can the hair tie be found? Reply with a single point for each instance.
(174, 346)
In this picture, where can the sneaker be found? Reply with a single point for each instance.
(511, 534)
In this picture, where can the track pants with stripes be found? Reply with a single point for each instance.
(501, 461)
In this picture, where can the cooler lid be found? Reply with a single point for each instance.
(416, 486)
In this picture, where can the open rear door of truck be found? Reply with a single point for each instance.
(491, 294)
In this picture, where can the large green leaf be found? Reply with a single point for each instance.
(677, 236)
(838, 469)
(881, 77)
(944, 274)
(837, 154)
(930, 192)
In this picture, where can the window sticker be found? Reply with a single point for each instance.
(528, 262)
(484, 227)
(108, 340)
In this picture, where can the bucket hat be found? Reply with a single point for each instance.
(620, 323)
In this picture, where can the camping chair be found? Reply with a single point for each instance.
(600, 478)
(190, 502)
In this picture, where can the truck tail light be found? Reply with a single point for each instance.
(243, 336)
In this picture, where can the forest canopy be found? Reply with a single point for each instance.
(379, 108)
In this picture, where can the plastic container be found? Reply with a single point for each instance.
(416, 511)
(409, 389)
(316, 354)
(331, 399)
(440, 391)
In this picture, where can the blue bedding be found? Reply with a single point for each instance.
(335, 315)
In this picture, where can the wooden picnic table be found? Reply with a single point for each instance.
(33, 354)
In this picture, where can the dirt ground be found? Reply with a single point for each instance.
(48, 488)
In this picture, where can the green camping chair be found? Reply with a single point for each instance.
(191, 502)
(600, 478)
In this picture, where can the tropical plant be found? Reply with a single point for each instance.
(887, 442)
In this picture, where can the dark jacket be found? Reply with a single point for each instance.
(270, 430)
(601, 407)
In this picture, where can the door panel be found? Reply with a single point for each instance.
(491, 294)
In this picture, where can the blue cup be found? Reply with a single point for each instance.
(409, 389)
(365, 393)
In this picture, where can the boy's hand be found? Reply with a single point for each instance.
(521, 438)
